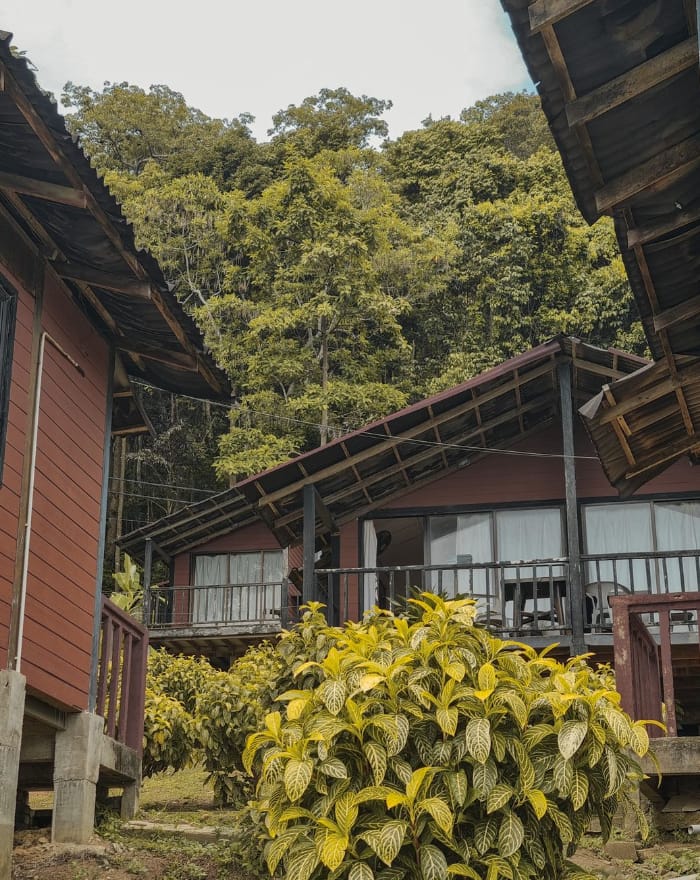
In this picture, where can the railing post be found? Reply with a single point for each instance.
(308, 591)
(578, 643)
(147, 567)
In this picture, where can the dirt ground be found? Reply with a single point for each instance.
(124, 859)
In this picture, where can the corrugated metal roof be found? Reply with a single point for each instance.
(377, 463)
(49, 189)
(620, 87)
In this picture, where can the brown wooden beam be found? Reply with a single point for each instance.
(384, 445)
(544, 13)
(50, 192)
(684, 311)
(113, 281)
(646, 232)
(634, 82)
(688, 376)
(175, 359)
(659, 171)
(48, 140)
(667, 452)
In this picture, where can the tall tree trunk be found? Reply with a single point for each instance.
(324, 381)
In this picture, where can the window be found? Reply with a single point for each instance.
(242, 586)
(630, 528)
(8, 305)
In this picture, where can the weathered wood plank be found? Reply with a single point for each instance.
(636, 81)
(682, 312)
(51, 192)
(661, 169)
(549, 12)
(113, 281)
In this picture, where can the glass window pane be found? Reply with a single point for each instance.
(209, 604)
(622, 528)
(678, 528)
(464, 539)
(524, 535)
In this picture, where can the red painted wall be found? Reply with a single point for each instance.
(65, 536)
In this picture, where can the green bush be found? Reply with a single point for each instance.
(431, 749)
(170, 734)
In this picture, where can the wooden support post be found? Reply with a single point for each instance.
(308, 590)
(578, 643)
(147, 568)
(334, 583)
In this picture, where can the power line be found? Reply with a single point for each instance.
(164, 485)
(340, 432)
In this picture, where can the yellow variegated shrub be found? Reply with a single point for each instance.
(429, 749)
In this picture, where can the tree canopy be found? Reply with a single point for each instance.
(338, 276)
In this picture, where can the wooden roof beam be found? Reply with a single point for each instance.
(424, 426)
(646, 232)
(666, 453)
(47, 139)
(657, 172)
(688, 376)
(545, 13)
(634, 82)
(112, 281)
(684, 311)
(41, 189)
(175, 359)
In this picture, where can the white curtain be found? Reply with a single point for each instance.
(621, 528)
(273, 575)
(369, 560)
(462, 540)
(208, 605)
(523, 535)
(678, 528)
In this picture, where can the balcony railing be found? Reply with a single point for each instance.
(223, 605)
(517, 597)
(121, 675)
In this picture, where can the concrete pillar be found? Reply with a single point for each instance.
(12, 689)
(76, 770)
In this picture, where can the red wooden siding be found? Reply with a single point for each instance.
(509, 479)
(66, 525)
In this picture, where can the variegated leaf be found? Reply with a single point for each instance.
(478, 739)
(332, 693)
(460, 869)
(433, 865)
(510, 835)
(562, 775)
(387, 840)
(346, 812)
(639, 739)
(360, 871)
(485, 777)
(579, 789)
(302, 863)
(332, 850)
(458, 786)
(447, 718)
(487, 677)
(440, 813)
(376, 755)
(498, 797)
(485, 832)
(297, 775)
(571, 735)
(276, 849)
(538, 801)
(334, 768)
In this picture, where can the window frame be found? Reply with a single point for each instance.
(8, 322)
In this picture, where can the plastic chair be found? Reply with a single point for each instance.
(597, 599)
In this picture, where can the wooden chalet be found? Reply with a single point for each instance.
(81, 310)
(620, 86)
(491, 489)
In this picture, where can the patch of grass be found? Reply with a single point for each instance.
(185, 789)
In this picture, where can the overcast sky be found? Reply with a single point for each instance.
(433, 57)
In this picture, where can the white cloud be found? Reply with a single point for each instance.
(227, 58)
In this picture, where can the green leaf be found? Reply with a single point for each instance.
(440, 812)
(376, 755)
(459, 869)
(562, 775)
(418, 777)
(639, 739)
(332, 693)
(619, 725)
(387, 840)
(579, 789)
(360, 871)
(334, 767)
(297, 776)
(498, 797)
(276, 848)
(538, 801)
(447, 719)
(485, 777)
(302, 863)
(458, 786)
(332, 850)
(485, 832)
(433, 864)
(510, 835)
(487, 677)
(478, 739)
(570, 737)
(346, 812)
